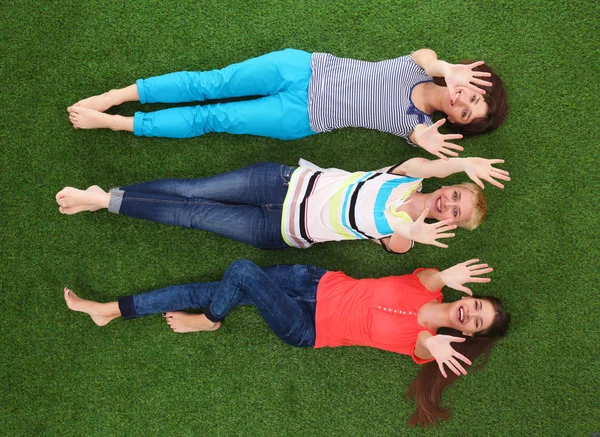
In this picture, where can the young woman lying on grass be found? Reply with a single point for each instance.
(306, 306)
(300, 94)
(272, 206)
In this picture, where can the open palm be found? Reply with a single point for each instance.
(480, 168)
(456, 276)
(440, 348)
(464, 75)
(436, 143)
(426, 233)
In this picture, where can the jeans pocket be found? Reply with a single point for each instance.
(285, 172)
(315, 272)
(274, 207)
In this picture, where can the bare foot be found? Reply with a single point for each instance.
(85, 118)
(101, 313)
(184, 322)
(72, 200)
(98, 103)
(70, 210)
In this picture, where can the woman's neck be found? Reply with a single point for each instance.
(434, 315)
(417, 204)
(428, 97)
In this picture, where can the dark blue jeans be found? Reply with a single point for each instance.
(285, 296)
(245, 204)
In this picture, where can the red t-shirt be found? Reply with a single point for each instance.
(380, 313)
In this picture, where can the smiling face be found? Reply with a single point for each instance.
(454, 202)
(464, 106)
(471, 315)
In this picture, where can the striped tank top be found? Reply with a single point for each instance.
(374, 95)
(334, 205)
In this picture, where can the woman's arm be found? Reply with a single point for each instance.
(455, 277)
(396, 243)
(475, 168)
(421, 350)
(427, 59)
(454, 74)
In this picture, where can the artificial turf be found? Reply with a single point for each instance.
(62, 375)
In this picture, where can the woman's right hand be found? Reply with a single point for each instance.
(436, 143)
(426, 233)
(439, 347)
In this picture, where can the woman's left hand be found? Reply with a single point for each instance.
(480, 168)
(464, 75)
(460, 274)
(439, 347)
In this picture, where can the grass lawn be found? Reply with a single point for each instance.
(61, 375)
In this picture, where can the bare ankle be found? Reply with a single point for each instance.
(115, 97)
(120, 123)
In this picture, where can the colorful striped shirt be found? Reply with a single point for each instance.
(334, 205)
(374, 95)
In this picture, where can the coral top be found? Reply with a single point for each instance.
(380, 313)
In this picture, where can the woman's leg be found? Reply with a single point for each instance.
(283, 116)
(260, 76)
(284, 294)
(104, 101)
(257, 184)
(173, 298)
(101, 313)
(259, 226)
(292, 319)
(283, 76)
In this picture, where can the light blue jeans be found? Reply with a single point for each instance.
(278, 80)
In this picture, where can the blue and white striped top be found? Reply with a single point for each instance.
(374, 95)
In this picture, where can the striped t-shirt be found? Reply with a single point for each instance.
(334, 205)
(374, 95)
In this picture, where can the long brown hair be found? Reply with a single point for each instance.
(428, 386)
(495, 97)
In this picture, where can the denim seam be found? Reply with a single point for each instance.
(270, 205)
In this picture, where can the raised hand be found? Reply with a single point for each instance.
(480, 168)
(426, 233)
(464, 75)
(436, 143)
(444, 354)
(456, 276)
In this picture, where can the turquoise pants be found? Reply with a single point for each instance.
(278, 81)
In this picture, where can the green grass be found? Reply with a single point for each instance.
(61, 375)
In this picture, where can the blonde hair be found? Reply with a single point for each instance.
(480, 208)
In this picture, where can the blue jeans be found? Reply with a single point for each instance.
(285, 296)
(282, 79)
(245, 205)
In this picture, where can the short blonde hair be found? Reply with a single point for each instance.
(480, 208)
